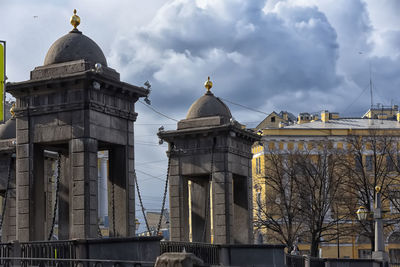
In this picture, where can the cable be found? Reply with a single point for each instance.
(158, 112)
(243, 106)
(148, 174)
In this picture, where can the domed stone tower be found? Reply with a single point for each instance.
(210, 175)
(74, 106)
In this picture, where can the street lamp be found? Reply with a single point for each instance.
(379, 252)
(362, 213)
(137, 223)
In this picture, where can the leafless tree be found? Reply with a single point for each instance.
(373, 161)
(320, 176)
(277, 202)
(301, 187)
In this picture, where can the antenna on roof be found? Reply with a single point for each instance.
(370, 84)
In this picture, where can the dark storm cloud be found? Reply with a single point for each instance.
(252, 56)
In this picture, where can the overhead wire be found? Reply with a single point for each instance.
(156, 111)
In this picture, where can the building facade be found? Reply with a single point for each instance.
(366, 148)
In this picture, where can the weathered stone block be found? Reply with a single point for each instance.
(23, 206)
(22, 123)
(78, 159)
(93, 188)
(44, 120)
(23, 220)
(93, 217)
(78, 173)
(23, 151)
(78, 202)
(118, 123)
(100, 119)
(78, 188)
(78, 216)
(22, 136)
(23, 178)
(23, 192)
(22, 234)
(77, 145)
(93, 202)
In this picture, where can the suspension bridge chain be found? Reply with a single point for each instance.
(164, 197)
(141, 204)
(3, 212)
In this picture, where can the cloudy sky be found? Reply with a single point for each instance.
(295, 55)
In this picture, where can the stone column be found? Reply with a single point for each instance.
(83, 218)
(178, 202)
(222, 207)
(23, 180)
(121, 194)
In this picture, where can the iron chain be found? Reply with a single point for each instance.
(141, 204)
(165, 196)
(3, 212)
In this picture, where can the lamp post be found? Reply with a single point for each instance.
(379, 252)
(137, 223)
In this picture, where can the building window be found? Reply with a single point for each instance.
(358, 163)
(273, 119)
(364, 254)
(368, 163)
(394, 200)
(389, 164)
(394, 255)
(258, 165)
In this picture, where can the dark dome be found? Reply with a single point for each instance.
(74, 46)
(7, 130)
(208, 105)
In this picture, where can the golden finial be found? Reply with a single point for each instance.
(12, 110)
(378, 188)
(75, 20)
(208, 84)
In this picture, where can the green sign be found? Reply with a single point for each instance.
(2, 79)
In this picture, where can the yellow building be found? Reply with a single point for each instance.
(277, 120)
(334, 132)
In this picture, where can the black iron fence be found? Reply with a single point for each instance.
(5, 251)
(294, 261)
(72, 262)
(207, 252)
(48, 249)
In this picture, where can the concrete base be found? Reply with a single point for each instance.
(380, 256)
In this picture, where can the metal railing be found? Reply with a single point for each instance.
(294, 261)
(207, 252)
(317, 262)
(48, 249)
(25, 262)
(5, 251)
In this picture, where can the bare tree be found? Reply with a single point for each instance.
(277, 209)
(301, 187)
(320, 176)
(373, 161)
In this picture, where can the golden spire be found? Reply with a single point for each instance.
(12, 110)
(208, 84)
(75, 20)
